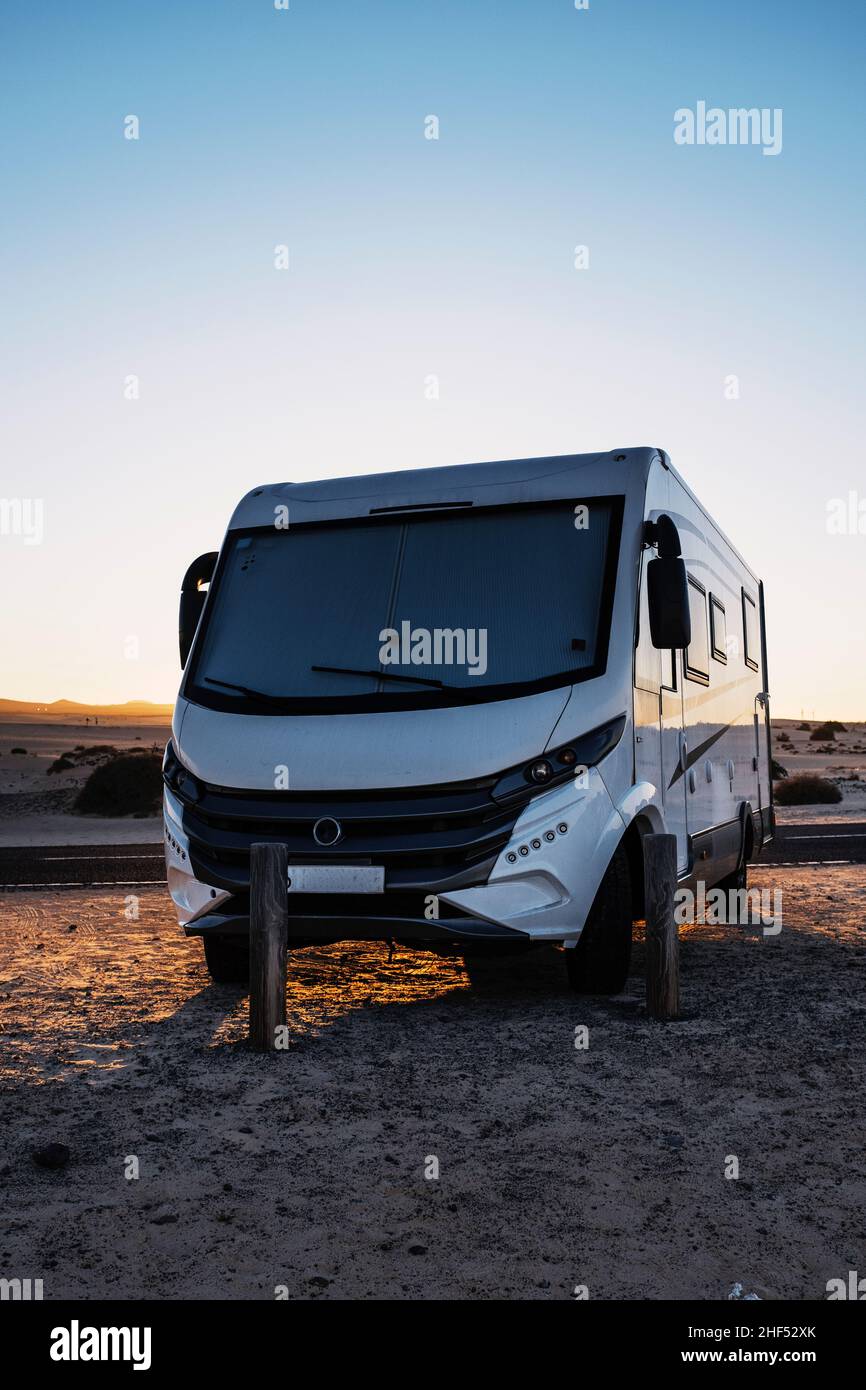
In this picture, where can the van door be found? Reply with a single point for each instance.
(761, 763)
(658, 723)
(647, 697)
(765, 755)
(674, 751)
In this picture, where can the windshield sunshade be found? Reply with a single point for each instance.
(465, 606)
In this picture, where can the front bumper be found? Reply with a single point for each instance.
(308, 928)
(538, 884)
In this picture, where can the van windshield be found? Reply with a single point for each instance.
(428, 609)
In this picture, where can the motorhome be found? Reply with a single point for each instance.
(462, 697)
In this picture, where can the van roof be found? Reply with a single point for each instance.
(484, 484)
(491, 484)
(711, 522)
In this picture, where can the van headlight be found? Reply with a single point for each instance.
(178, 778)
(554, 768)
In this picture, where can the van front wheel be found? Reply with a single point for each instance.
(227, 959)
(599, 963)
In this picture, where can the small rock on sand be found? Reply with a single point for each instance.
(51, 1156)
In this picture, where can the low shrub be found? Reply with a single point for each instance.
(806, 789)
(128, 785)
(62, 764)
(823, 734)
(21, 752)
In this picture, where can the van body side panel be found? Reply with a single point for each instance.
(726, 765)
(765, 756)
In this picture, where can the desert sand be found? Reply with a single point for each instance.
(845, 765)
(36, 805)
(558, 1167)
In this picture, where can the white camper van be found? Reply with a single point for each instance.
(462, 697)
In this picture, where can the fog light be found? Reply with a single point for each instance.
(541, 771)
(567, 756)
(187, 786)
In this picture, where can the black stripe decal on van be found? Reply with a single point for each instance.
(698, 753)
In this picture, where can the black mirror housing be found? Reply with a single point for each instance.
(668, 601)
(192, 600)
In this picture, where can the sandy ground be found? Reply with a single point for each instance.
(846, 765)
(36, 805)
(80, 830)
(557, 1166)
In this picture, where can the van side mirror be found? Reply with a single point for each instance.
(668, 599)
(192, 600)
(667, 587)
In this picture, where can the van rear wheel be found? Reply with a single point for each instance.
(735, 882)
(599, 963)
(227, 959)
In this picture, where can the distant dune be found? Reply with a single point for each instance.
(137, 707)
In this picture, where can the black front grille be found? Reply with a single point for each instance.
(426, 837)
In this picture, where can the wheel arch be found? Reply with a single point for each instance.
(647, 822)
(747, 833)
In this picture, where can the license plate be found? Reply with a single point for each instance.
(336, 878)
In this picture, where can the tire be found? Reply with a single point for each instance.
(599, 962)
(736, 881)
(227, 959)
(733, 883)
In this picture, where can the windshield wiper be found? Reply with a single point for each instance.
(383, 676)
(249, 692)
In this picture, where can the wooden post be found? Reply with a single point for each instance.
(269, 925)
(662, 946)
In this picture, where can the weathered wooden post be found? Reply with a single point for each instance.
(662, 945)
(269, 925)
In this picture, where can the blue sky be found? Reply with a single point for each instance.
(411, 257)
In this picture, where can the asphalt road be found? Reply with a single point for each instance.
(843, 842)
(94, 865)
(43, 866)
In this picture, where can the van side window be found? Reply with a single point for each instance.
(698, 650)
(750, 631)
(718, 629)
